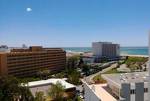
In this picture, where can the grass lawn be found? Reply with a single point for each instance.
(136, 59)
(112, 71)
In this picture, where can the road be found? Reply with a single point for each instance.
(89, 79)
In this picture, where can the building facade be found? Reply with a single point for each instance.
(27, 62)
(128, 86)
(105, 49)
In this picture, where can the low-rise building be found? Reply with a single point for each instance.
(128, 86)
(88, 59)
(97, 92)
(45, 85)
(119, 87)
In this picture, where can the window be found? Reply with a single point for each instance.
(132, 91)
(145, 90)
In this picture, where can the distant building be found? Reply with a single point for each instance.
(3, 48)
(105, 49)
(24, 46)
(88, 59)
(27, 62)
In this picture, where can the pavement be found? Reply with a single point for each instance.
(89, 79)
(102, 93)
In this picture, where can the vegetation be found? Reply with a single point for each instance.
(112, 71)
(136, 59)
(86, 69)
(61, 75)
(72, 62)
(56, 92)
(74, 77)
(98, 79)
(29, 79)
(78, 98)
(39, 96)
(44, 73)
(135, 63)
(11, 90)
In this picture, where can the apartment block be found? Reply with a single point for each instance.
(27, 62)
(105, 49)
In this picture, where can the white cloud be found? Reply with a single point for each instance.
(28, 9)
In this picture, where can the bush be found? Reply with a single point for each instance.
(99, 79)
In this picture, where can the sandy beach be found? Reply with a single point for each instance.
(134, 55)
(71, 53)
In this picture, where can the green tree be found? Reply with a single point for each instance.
(39, 96)
(25, 94)
(44, 73)
(72, 62)
(81, 62)
(74, 77)
(11, 90)
(86, 69)
(56, 92)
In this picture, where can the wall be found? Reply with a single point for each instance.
(89, 95)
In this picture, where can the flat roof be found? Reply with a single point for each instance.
(50, 81)
(120, 78)
(102, 93)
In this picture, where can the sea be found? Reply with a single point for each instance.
(123, 50)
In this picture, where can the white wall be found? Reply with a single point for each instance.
(132, 96)
(89, 95)
(146, 94)
(97, 48)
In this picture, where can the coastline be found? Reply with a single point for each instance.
(134, 55)
(73, 53)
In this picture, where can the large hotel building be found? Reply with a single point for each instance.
(27, 62)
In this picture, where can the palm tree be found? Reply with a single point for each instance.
(74, 77)
(10, 90)
(25, 94)
(39, 96)
(43, 74)
(56, 92)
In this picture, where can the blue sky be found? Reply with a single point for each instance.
(74, 23)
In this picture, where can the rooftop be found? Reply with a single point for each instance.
(50, 81)
(126, 77)
(102, 93)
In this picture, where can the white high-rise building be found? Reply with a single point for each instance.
(105, 49)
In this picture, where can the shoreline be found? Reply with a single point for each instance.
(72, 53)
(134, 55)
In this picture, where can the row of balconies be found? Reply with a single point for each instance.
(21, 62)
(35, 64)
(35, 68)
(36, 56)
(34, 53)
(33, 58)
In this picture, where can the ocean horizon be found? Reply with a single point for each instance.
(123, 50)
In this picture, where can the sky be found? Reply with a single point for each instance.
(74, 23)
